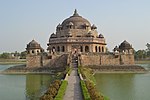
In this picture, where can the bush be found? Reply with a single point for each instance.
(57, 82)
(85, 92)
(94, 94)
(46, 97)
(62, 90)
(56, 86)
(52, 91)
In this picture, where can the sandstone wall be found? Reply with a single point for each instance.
(90, 60)
(33, 61)
(106, 59)
(127, 59)
(39, 61)
(84, 60)
(57, 61)
(109, 60)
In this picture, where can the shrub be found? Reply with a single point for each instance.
(56, 86)
(94, 94)
(57, 82)
(62, 90)
(46, 97)
(85, 92)
(52, 91)
(90, 82)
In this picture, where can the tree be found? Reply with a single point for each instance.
(148, 46)
(5, 55)
(23, 55)
(140, 54)
(148, 49)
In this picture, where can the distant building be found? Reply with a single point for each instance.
(77, 38)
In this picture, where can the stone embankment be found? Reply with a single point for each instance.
(118, 68)
(22, 69)
(57, 64)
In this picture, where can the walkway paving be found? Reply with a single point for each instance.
(73, 91)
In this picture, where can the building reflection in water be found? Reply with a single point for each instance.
(36, 85)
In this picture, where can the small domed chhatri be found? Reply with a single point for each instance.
(124, 48)
(76, 34)
(125, 45)
(34, 48)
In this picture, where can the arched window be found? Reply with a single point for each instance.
(63, 49)
(86, 48)
(102, 49)
(81, 48)
(53, 49)
(99, 49)
(28, 52)
(58, 49)
(32, 51)
(95, 48)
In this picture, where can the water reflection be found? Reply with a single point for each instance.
(125, 86)
(35, 85)
(22, 87)
(118, 85)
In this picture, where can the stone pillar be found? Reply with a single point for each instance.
(83, 48)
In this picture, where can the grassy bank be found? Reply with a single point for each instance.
(88, 85)
(12, 61)
(61, 91)
(85, 92)
(88, 74)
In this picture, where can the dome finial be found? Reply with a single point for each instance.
(75, 13)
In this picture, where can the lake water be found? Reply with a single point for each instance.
(22, 87)
(125, 86)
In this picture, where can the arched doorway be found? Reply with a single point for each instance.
(99, 49)
(63, 49)
(86, 48)
(81, 49)
(53, 50)
(95, 48)
(102, 49)
(58, 49)
(74, 60)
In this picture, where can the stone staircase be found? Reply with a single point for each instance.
(74, 61)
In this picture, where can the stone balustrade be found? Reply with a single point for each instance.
(77, 39)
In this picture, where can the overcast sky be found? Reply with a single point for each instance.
(118, 20)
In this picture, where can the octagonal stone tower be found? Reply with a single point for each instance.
(33, 48)
(76, 34)
(34, 58)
